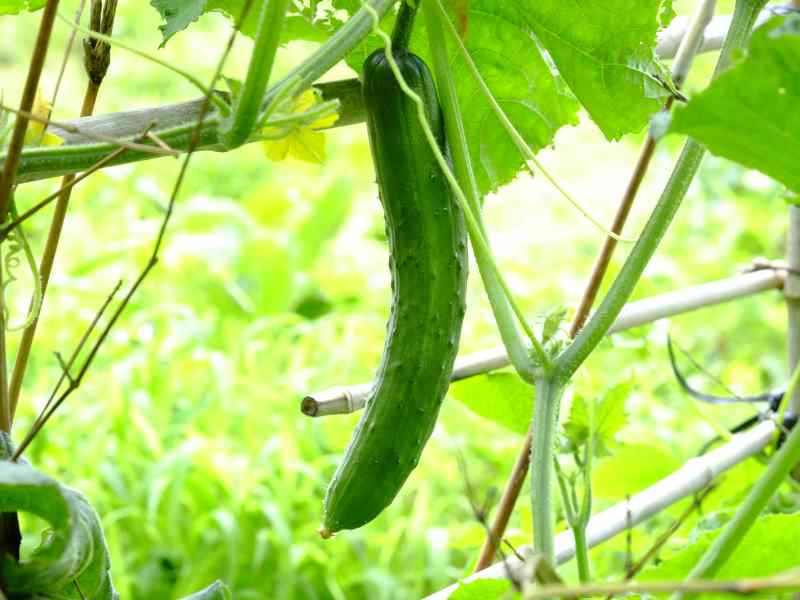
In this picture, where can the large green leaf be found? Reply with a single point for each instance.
(749, 114)
(74, 549)
(310, 20)
(606, 53)
(503, 398)
(768, 548)
(603, 50)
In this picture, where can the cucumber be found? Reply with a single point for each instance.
(428, 262)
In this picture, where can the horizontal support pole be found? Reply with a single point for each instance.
(692, 477)
(347, 399)
(174, 123)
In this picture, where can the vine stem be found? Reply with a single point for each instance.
(465, 175)
(586, 341)
(778, 470)
(96, 61)
(248, 106)
(687, 49)
(685, 169)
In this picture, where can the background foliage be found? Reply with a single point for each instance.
(187, 436)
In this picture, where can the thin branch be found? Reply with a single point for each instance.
(50, 407)
(151, 263)
(96, 61)
(67, 52)
(66, 185)
(26, 104)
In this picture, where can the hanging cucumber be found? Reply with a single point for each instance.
(428, 262)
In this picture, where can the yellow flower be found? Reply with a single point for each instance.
(302, 142)
(36, 135)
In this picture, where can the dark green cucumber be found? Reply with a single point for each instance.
(428, 262)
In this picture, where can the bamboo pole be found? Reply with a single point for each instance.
(348, 399)
(692, 477)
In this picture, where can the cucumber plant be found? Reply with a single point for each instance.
(434, 165)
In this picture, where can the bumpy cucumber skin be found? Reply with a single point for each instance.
(428, 262)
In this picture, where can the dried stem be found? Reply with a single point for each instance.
(96, 54)
(74, 382)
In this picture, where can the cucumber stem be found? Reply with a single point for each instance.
(401, 34)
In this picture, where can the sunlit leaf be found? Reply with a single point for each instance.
(503, 398)
(606, 53)
(750, 111)
(482, 589)
(608, 418)
(14, 7)
(769, 547)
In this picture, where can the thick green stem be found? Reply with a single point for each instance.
(335, 48)
(545, 421)
(465, 175)
(582, 553)
(248, 106)
(685, 169)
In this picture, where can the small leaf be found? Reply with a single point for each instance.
(482, 589)
(177, 15)
(503, 398)
(609, 418)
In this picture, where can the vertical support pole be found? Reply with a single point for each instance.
(791, 291)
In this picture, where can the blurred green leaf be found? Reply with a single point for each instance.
(632, 468)
(266, 271)
(483, 589)
(14, 7)
(328, 215)
(609, 418)
(503, 398)
(74, 549)
(751, 109)
(769, 547)
(216, 591)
